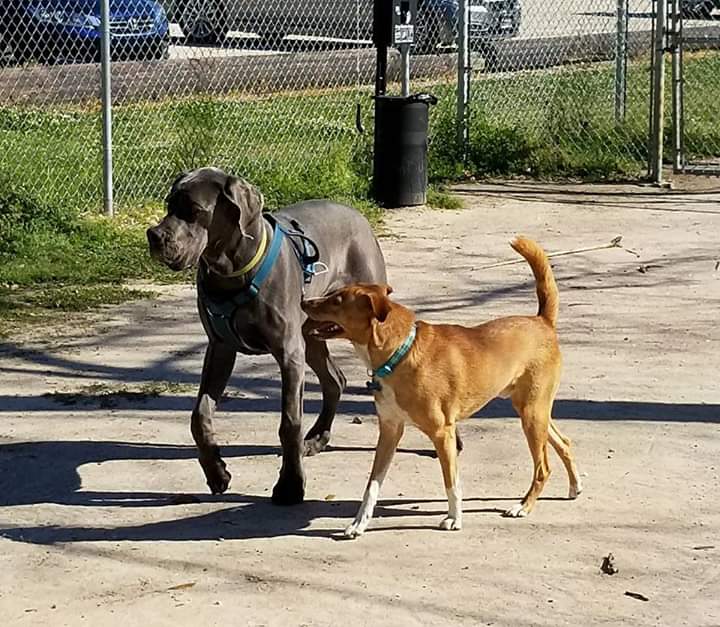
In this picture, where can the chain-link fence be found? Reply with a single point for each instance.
(280, 91)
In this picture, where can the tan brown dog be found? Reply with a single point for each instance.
(435, 374)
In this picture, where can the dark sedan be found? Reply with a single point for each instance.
(52, 31)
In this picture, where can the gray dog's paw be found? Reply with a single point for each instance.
(218, 478)
(313, 444)
(289, 490)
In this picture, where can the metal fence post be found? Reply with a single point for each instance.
(658, 91)
(106, 98)
(405, 70)
(463, 77)
(621, 52)
(677, 112)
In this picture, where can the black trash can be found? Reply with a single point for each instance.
(400, 159)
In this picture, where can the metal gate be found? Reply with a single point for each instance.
(693, 38)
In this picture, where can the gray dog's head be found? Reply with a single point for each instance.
(208, 211)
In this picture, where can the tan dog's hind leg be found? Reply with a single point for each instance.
(446, 446)
(390, 434)
(533, 402)
(561, 444)
(535, 426)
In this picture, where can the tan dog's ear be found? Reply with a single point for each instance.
(245, 198)
(379, 302)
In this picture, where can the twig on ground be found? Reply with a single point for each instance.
(614, 243)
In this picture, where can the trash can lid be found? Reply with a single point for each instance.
(428, 99)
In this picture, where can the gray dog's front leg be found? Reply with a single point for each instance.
(217, 368)
(290, 488)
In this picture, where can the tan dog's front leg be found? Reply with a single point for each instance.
(390, 434)
(446, 447)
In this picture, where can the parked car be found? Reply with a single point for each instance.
(209, 21)
(51, 31)
(699, 9)
(489, 19)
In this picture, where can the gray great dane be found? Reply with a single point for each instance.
(216, 220)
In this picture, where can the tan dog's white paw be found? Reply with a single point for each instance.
(575, 491)
(516, 511)
(354, 530)
(451, 524)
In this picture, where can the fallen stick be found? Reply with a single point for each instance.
(614, 243)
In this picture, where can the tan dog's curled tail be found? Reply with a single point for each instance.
(547, 291)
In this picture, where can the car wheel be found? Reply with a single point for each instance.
(203, 21)
(698, 11)
(21, 51)
(516, 20)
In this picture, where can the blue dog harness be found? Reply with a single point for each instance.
(221, 310)
(389, 366)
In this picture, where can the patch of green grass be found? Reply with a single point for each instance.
(109, 396)
(55, 259)
(67, 297)
(440, 198)
(556, 122)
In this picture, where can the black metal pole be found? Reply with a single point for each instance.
(381, 70)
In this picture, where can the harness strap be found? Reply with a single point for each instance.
(305, 249)
(220, 312)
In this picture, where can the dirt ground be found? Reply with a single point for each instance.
(105, 517)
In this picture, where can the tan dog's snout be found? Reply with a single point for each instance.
(309, 304)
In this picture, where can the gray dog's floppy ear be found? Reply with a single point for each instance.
(175, 183)
(246, 198)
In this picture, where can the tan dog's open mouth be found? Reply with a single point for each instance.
(326, 330)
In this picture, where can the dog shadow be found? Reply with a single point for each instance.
(34, 473)
(250, 517)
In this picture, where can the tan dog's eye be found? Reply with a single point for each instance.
(338, 299)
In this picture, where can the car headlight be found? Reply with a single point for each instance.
(63, 17)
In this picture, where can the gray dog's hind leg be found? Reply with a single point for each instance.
(217, 368)
(290, 487)
(332, 384)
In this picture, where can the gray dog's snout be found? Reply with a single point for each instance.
(154, 237)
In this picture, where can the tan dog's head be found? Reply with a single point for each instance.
(351, 313)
